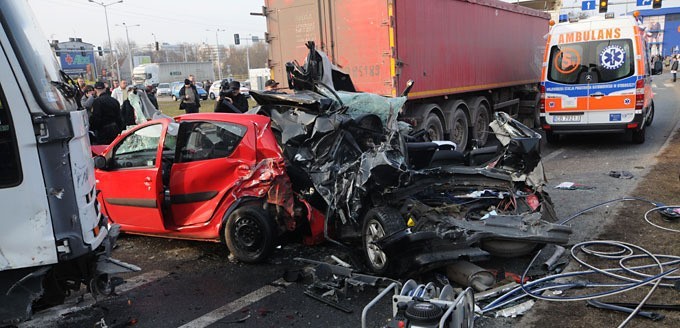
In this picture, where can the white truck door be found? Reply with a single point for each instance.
(26, 233)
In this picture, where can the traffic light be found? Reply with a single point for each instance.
(237, 40)
(656, 4)
(82, 51)
(157, 48)
(603, 6)
(99, 51)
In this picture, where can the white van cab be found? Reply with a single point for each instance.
(596, 78)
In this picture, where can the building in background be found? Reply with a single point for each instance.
(663, 30)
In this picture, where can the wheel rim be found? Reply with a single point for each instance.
(376, 256)
(248, 234)
(458, 135)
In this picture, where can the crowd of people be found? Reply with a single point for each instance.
(111, 109)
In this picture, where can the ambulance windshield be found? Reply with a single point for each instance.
(591, 62)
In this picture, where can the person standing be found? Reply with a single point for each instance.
(120, 93)
(674, 67)
(190, 101)
(237, 99)
(151, 94)
(81, 83)
(271, 87)
(88, 99)
(105, 121)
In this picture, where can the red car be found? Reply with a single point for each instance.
(218, 177)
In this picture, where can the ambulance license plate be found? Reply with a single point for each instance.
(567, 118)
(615, 117)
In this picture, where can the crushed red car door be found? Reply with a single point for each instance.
(131, 187)
(211, 158)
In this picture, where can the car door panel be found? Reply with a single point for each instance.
(207, 166)
(131, 195)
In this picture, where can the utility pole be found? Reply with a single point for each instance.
(217, 48)
(108, 32)
(127, 37)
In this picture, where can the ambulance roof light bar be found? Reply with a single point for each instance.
(609, 15)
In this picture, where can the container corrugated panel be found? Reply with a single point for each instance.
(450, 46)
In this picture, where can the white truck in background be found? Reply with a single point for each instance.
(155, 73)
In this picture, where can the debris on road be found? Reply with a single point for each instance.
(469, 275)
(516, 310)
(573, 186)
(621, 174)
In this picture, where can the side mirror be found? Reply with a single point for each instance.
(100, 162)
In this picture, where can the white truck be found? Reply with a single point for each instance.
(53, 237)
(155, 73)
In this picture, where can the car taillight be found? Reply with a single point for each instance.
(639, 94)
(541, 103)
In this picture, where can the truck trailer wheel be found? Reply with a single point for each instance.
(459, 129)
(480, 124)
(379, 222)
(433, 126)
(250, 234)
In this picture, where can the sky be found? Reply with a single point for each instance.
(172, 21)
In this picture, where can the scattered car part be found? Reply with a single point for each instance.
(670, 307)
(608, 306)
(469, 275)
(425, 306)
(621, 174)
(516, 310)
(481, 296)
(551, 262)
(332, 302)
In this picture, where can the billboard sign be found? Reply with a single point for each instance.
(75, 63)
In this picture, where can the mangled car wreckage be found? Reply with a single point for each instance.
(337, 166)
(409, 202)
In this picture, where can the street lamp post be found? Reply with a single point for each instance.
(127, 37)
(108, 32)
(217, 48)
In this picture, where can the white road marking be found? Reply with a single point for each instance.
(668, 85)
(552, 155)
(236, 305)
(49, 316)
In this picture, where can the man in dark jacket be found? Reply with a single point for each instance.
(189, 95)
(105, 121)
(237, 99)
(225, 103)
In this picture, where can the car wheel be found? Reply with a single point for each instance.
(174, 98)
(552, 137)
(379, 222)
(250, 234)
(651, 115)
(639, 135)
(212, 96)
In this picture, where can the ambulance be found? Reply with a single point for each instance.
(596, 78)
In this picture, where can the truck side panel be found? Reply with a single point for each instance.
(451, 47)
(446, 46)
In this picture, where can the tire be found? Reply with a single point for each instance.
(459, 131)
(250, 234)
(651, 116)
(212, 96)
(433, 126)
(379, 222)
(551, 137)
(639, 135)
(174, 98)
(480, 124)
